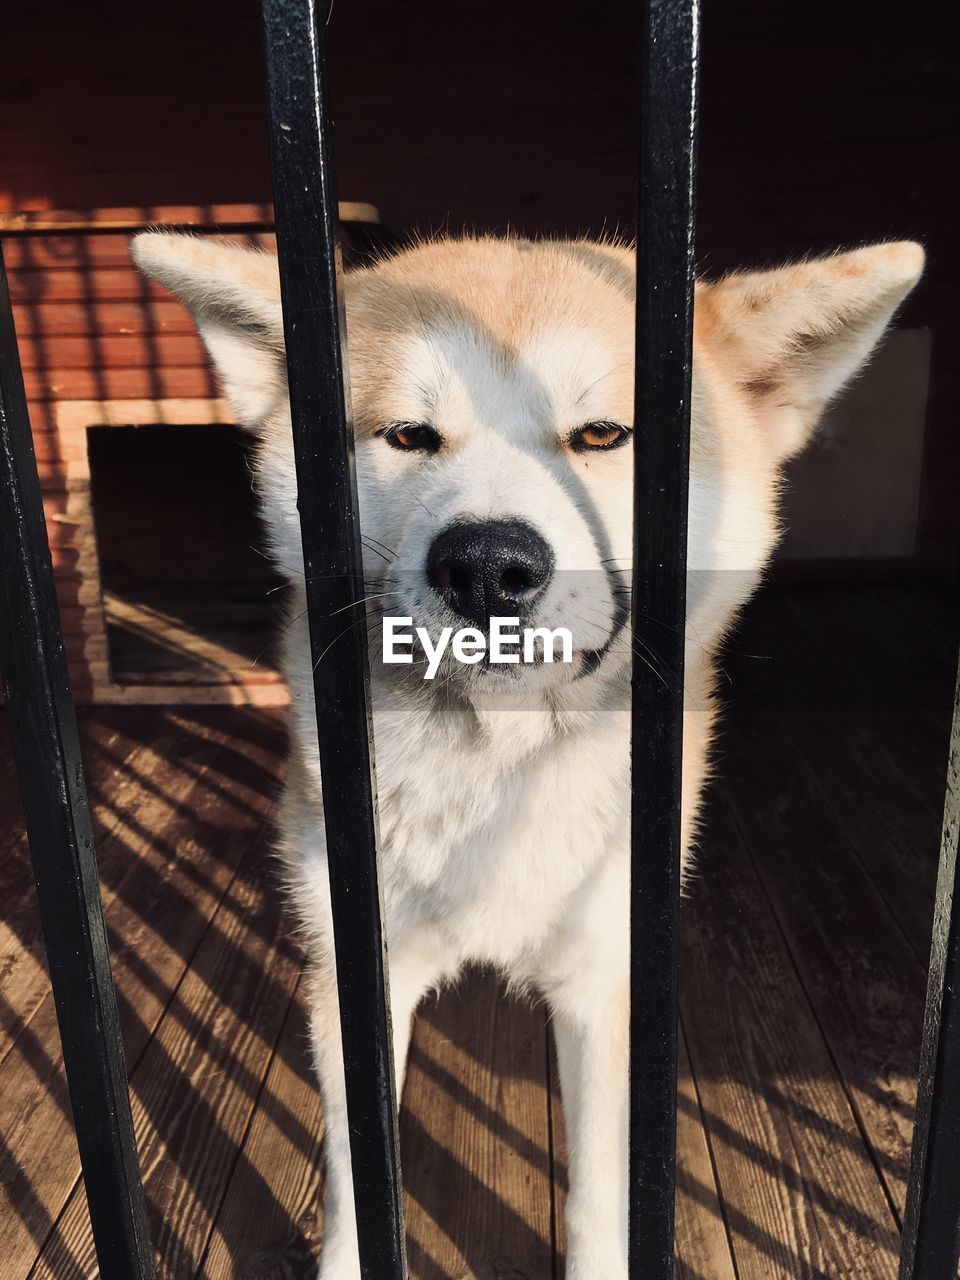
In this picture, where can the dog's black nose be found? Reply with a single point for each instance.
(486, 569)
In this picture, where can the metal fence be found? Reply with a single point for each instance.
(34, 670)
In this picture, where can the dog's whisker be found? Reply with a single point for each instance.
(421, 502)
(378, 595)
(274, 560)
(368, 538)
(647, 663)
(652, 652)
(377, 552)
(287, 625)
(631, 641)
(318, 577)
(339, 636)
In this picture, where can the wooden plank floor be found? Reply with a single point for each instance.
(806, 929)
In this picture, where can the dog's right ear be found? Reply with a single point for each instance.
(234, 296)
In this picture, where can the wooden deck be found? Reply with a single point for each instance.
(805, 938)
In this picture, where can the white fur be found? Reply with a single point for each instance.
(504, 799)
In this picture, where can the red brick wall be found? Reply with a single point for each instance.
(91, 328)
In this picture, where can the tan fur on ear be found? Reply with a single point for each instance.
(796, 335)
(234, 295)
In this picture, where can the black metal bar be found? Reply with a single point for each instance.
(307, 241)
(34, 668)
(669, 69)
(931, 1230)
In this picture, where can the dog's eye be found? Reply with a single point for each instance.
(411, 436)
(598, 435)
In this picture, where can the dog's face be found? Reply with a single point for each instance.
(492, 387)
(492, 390)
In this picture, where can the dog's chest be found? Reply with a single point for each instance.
(492, 847)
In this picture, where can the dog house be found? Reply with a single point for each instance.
(125, 634)
(162, 592)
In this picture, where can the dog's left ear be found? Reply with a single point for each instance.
(793, 337)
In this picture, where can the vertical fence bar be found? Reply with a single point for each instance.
(47, 750)
(311, 280)
(931, 1230)
(669, 69)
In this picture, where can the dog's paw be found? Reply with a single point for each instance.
(596, 1264)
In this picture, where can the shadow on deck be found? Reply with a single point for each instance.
(806, 930)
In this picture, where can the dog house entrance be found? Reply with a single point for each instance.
(189, 599)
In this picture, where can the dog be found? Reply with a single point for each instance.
(492, 383)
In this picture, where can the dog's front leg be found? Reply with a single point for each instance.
(339, 1260)
(410, 976)
(591, 1021)
(415, 967)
